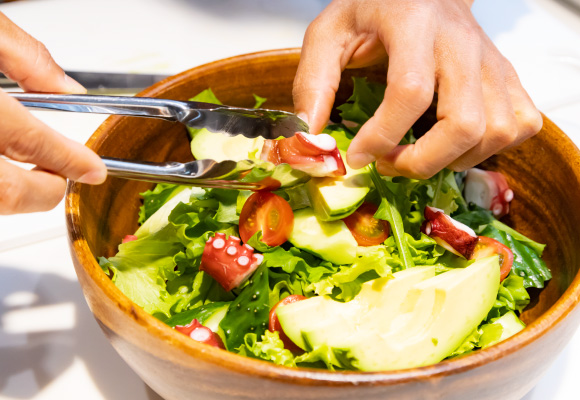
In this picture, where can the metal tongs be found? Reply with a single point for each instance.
(251, 123)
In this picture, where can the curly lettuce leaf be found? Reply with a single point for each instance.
(341, 134)
(511, 296)
(345, 284)
(155, 198)
(159, 271)
(269, 348)
(470, 343)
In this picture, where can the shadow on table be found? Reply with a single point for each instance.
(495, 16)
(305, 10)
(37, 357)
(552, 379)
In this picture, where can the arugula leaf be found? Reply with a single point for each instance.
(388, 211)
(201, 313)
(259, 100)
(527, 263)
(446, 194)
(478, 218)
(366, 98)
(206, 96)
(249, 312)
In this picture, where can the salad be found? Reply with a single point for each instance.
(348, 271)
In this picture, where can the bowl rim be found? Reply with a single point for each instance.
(260, 368)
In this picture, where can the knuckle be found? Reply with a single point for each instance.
(418, 170)
(503, 131)
(24, 147)
(471, 126)
(532, 123)
(468, 32)
(460, 166)
(11, 194)
(422, 172)
(416, 87)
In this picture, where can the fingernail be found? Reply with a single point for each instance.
(73, 86)
(359, 160)
(94, 177)
(303, 116)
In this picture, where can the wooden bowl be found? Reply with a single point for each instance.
(544, 173)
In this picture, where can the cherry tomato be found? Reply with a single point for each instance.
(486, 247)
(367, 230)
(129, 238)
(274, 324)
(269, 213)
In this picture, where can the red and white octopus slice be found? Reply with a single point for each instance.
(228, 261)
(489, 190)
(201, 334)
(317, 155)
(449, 233)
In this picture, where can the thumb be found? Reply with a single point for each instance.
(28, 62)
(317, 77)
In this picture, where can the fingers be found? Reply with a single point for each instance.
(26, 139)
(528, 118)
(28, 191)
(26, 61)
(318, 75)
(501, 124)
(461, 117)
(409, 93)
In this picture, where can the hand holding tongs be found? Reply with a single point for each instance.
(250, 123)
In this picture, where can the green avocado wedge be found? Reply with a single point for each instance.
(336, 198)
(432, 317)
(331, 241)
(219, 147)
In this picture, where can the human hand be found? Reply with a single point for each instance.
(432, 45)
(24, 138)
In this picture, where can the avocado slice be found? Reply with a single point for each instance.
(349, 317)
(431, 318)
(219, 147)
(336, 198)
(160, 218)
(331, 241)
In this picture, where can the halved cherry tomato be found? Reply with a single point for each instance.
(274, 324)
(486, 247)
(129, 238)
(367, 230)
(269, 213)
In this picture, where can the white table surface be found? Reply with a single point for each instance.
(50, 345)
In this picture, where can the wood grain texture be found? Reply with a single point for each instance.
(544, 173)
